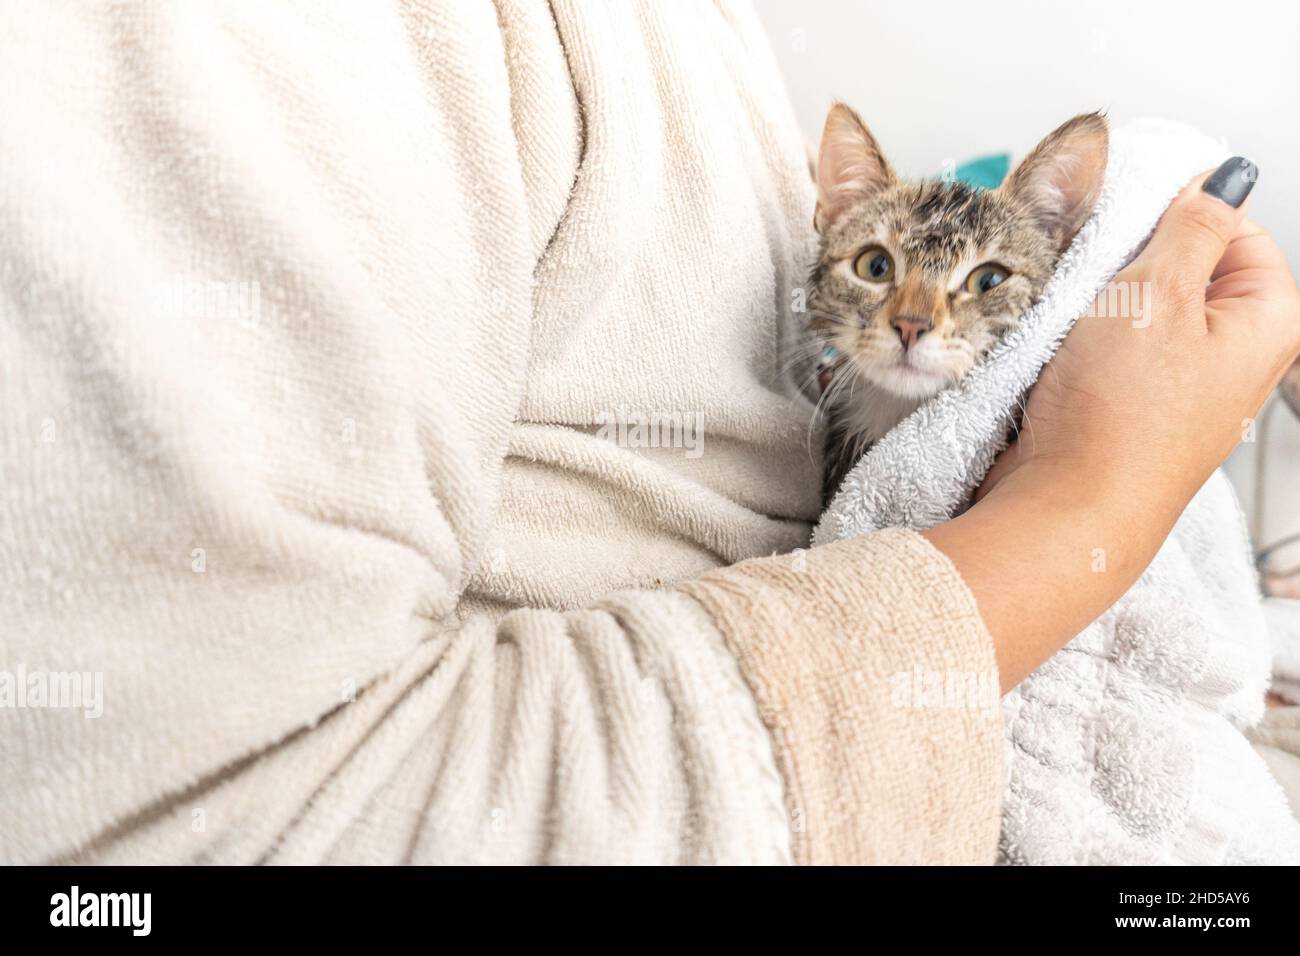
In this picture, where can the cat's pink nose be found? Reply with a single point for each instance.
(910, 329)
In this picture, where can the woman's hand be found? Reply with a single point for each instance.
(1161, 395)
(1126, 423)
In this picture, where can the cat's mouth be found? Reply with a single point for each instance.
(908, 373)
(908, 381)
(907, 376)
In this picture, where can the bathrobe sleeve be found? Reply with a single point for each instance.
(268, 279)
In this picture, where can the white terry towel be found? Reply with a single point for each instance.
(1127, 747)
(1283, 616)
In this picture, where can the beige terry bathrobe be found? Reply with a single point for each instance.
(310, 317)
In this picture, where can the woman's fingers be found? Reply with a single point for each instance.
(1196, 229)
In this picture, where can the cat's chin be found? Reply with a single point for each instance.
(908, 382)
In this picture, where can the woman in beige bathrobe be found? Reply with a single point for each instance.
(312, 317)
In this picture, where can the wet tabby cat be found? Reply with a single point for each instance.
(916, 281)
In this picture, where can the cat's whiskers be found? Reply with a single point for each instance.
(803, 387)
(827, 399)
(805, 351)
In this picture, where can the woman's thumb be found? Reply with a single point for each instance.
(1197, 226)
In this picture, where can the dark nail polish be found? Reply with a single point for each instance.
(1233, 181)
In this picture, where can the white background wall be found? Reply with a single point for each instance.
(942, 80)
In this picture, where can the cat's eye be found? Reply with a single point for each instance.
(874, 265)
(985, 278)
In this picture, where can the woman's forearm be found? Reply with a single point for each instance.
(1046, 552)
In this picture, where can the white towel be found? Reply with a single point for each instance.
(1283, 616)
(1127, 747)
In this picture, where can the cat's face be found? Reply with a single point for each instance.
(916, 281)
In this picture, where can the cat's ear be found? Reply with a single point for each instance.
(1059, 182)
(850, 166)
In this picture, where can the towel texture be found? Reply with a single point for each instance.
(1127, 746)
(845, 669)
(1277, 739)
(1283, 616)
(311, 315)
